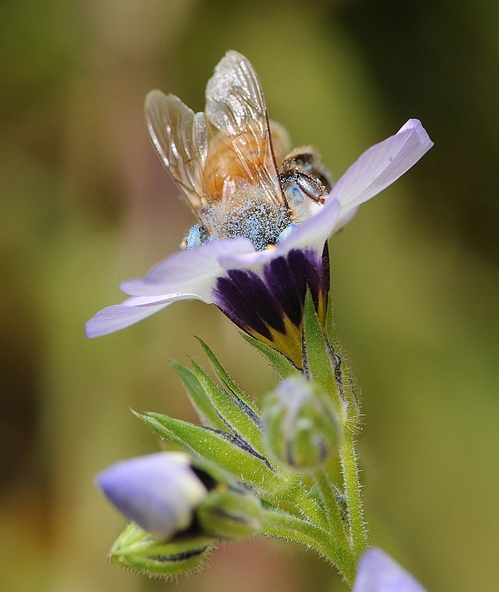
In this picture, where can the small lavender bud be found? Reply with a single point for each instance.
(159, 492)
(300, 424)
(229, 513)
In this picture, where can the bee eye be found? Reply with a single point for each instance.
(310, 186)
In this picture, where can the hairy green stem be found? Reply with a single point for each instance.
(348, 458)
(292, 528)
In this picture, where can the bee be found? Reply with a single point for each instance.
(230, 162)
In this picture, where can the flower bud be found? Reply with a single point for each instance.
(138, 550)
(300, 424)
(230, 513)
(159, 492)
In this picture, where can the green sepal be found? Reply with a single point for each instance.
(236, 414)
(138, 550)
(225, 450)
(217, 474)
(282, 364)
(225, 378)
(344, 377)
(317, 361)
(229, 513)
(198, 397)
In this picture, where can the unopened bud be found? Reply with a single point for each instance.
(300, 424)
(160, 492)
(230, 513)
(138, 550)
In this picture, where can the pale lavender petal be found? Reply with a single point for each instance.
(193, 271)
(345, 218)
(378, 572)
(311, 234)
(131, 311)
(159, 492)
(380, 166)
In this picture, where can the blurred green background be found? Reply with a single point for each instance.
(85, 203)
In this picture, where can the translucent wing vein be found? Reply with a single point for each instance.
(180, 138)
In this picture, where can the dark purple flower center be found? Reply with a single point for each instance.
(271, 303)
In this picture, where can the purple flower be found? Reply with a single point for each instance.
(261, 239)
(194, 273)
(159, 492)
(378, 572)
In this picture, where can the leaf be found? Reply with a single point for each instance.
(234, 412)
(198, 397)
(227, 451)
(225, 378)
(343, 372)
(318, 361)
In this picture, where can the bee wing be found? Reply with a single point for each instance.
(181, 140)
(235, 106)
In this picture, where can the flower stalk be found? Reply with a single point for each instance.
(294, 529)
(259, 252)
(353, 497)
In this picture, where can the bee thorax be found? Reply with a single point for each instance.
(247, 212)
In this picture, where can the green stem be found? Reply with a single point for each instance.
(348, 458)
(330, 503)
(292, 528)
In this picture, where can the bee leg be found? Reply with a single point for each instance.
(196, 237)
